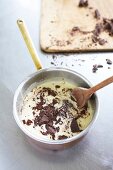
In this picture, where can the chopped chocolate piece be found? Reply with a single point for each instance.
(53, 56)
(54, 101)
(108, 61)
(61, 63)
(57, 129)
(44, 119)
(83, 3)
(75, 29)
(90, 7)
(108, 26)
(100, 66)
(98, 29)
(95, 68)
(50, 91)
(62, 137)
(83, 112)
(29, 122)
(74, 126)
(36, 120)
(108, 67)
(49, 111)
(58, 121)
(34, 113)
(24, 122)
(52, 63)
(57, 86)
(50, 123)
(50, 129)
(62, 111)
(68, 42)
(44, 133)
(97, 14)
(39, 106)
(94, 39)
(102, 41)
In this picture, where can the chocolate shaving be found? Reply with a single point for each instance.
(108, 61)
(101, 41)
(100, 66)
(24, 122)
(39, 106)
(50, 91)
(108, 25)
(58, 121)
(98, 29)
(62, 137)
(74, 126)
(95, 68)
(29, 122)
(83, 3)
(51, 130)
(55, 101)
(97, 14)
(57, 86)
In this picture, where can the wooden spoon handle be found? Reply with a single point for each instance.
(100, 85)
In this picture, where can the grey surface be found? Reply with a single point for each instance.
(95, 152)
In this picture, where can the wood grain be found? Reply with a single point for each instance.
(58, 17)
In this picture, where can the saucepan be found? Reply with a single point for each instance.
(41, 75)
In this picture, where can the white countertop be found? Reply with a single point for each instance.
(95, 151)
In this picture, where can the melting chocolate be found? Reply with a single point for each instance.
(74, 126)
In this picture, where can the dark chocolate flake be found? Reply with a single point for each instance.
(97, 14)
(57, 86)
(58, 121)
(83, 3)
(53, 56)
(108, 26)
(52, 63)
(100, 66)
(44, 120)
(54, 101)
(109, 61)
(95, 68)
(74, 126)
(102, 41)
(29, 122)
(24, 122)
(39, 106)
(62, 137)
(34, 113)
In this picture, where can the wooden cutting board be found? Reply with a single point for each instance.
(59, 17)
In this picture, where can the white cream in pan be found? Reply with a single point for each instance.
(49, 111)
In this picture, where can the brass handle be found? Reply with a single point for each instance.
(29, 43)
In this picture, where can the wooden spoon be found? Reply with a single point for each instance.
(82, 94)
